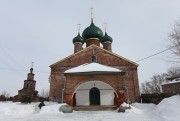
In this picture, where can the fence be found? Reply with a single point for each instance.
(154, 98)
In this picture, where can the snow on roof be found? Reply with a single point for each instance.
(173, 81)
(92, 67)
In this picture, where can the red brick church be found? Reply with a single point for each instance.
(28, 92)
(94, 75)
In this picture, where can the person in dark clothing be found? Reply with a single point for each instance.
(41, 104)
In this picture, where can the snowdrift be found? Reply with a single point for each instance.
(8, 108)
(167, 110)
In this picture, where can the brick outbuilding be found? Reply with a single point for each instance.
(172, 87)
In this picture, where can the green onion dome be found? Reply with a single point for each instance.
(79, 39)
(106, 38)
(92, 32)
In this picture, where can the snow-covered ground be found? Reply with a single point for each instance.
(167, 110)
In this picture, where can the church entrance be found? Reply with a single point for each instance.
(93, 93)
(94, 96)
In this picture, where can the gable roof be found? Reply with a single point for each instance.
(95, 46)
(177, 80)
(93, 68)
(173, 77)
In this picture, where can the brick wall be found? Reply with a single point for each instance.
(171, 88)
(73, 81)
(103, 57)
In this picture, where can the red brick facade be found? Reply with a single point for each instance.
(71, 82)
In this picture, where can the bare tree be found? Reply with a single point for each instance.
(174, 38)
(173, 71)
(6, 94)
(145, 89)
(156, 81)
(154, 85)
(45, 93)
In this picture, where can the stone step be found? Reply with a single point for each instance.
(94, 108)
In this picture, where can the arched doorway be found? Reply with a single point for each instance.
(94, 96)
(82, 93)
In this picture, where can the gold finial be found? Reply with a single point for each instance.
(91, 14)
(105, 25)
(79, 27)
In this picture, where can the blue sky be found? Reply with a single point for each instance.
(42, 31)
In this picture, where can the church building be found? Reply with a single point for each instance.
(94, 75)
(28, 92)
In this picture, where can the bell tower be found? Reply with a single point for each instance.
(30, 83)
(28, 92)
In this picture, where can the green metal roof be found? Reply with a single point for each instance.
(106, 38)
(92, 32)
(78, 38)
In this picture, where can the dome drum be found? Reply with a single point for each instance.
(107, 46)
(92, 41)
(77, 47)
